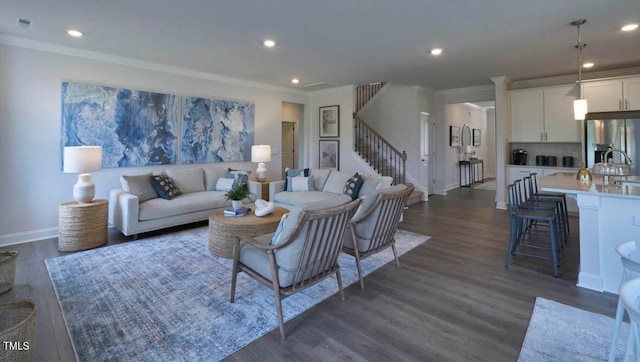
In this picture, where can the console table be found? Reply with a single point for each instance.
(470, 170)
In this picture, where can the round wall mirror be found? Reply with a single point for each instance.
(466, 135)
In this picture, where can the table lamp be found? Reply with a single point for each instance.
(83, 159)
(261, 154)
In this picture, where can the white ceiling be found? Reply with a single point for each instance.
(343, 41)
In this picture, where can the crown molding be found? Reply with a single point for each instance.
(572, 79)
(115, 59)
(466, 90)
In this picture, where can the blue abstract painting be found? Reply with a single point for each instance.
(216, 130)
(134, 128)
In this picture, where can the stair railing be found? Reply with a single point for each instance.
(365, 92)
(378, 152)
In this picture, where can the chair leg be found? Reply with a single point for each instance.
(357, 255)
(234, 276)
(554, 246)
(512, 240)
(275, 282)
(395, 253)
(339, 278)
(616, 331)
(279, 311)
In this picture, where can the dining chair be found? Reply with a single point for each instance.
(629, 293)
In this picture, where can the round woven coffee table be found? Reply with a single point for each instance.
(222, 228)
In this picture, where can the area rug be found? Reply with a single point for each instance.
(487, 185)
(558, 332)
(167, 299)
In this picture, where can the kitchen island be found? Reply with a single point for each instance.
(609, 215)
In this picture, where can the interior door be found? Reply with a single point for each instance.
(288, 146)
(426, 176)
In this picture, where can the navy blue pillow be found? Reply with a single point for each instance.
(353, 185)
(293, 172)
(164, 186)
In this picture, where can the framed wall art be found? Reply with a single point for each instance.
(454, 136)
(330, 154)
(476, 136)
(330, 121)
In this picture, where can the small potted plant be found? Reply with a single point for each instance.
(236, 194)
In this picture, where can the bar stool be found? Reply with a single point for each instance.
(629, 293)
(557, 200)
(529, 202)
(560, 195)
(519, 219)
(630, 258)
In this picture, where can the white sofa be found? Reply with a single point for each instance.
(328, 184)
(199, 198)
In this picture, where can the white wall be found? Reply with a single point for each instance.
(32, 183)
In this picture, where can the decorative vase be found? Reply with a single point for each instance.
(584, 176)
(236, 204)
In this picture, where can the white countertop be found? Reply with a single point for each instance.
(566, 182)
(553, 167)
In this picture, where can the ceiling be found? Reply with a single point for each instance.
(338, 42)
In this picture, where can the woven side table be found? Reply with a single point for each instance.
(222, 228)
(82, 226)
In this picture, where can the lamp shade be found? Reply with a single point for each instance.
(261, 153)
(82, 159)
(579, 109)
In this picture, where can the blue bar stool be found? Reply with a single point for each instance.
(519, 219)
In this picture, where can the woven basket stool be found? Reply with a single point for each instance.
(7, 269)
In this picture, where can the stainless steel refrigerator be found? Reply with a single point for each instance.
(613, 130)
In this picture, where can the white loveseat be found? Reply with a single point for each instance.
(134, 209)
(328, 185)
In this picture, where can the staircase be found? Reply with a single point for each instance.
(383, 157)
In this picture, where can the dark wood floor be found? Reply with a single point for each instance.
(452, 299)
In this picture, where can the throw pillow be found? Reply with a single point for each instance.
(139, 185)
(300, 183)
(294, 172)
(224, 184)
(164, 186)
(276, 235)
(353, 185)
(241, 177)
(187, 180)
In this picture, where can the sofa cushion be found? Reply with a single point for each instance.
(336, 181)
(276, 236)
(353, 185)
(164, 186)
(319, 177)
(224, 184)
(300, 183)
(298, 198)
(294, 172)
(368, 186)
(139, 185)
(183, 204)
(211, 176)
(187, 180)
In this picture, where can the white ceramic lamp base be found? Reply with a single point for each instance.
(84, 190)
(261, 172)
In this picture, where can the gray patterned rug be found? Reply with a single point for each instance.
(167, 299)
(558, 332)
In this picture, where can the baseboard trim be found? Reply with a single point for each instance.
(28, 236)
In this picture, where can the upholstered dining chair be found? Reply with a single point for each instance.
(303, 253)
(375, 223)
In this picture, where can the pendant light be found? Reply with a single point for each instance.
(580, 104)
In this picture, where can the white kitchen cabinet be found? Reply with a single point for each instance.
(622, 94)
(544, 114)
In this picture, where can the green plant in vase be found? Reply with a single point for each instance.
(236, 194)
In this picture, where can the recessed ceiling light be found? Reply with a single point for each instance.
(629, 27)
(436, 51)
(295, 80)
(74, 33)
(269, 43)
(587, 65)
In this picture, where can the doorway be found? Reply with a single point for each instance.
(289, 157)
(426, 151)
